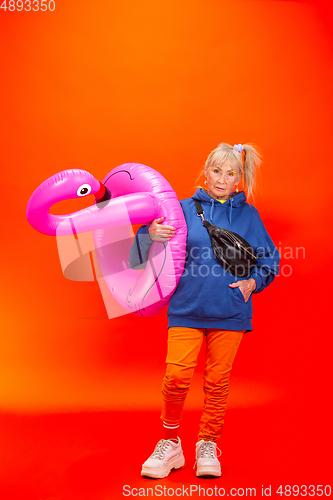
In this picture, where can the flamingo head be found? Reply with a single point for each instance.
(68, 184)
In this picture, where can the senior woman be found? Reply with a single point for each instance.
(209, 304)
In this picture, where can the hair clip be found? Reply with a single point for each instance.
(238, 147)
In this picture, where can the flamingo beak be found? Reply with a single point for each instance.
(103, 196)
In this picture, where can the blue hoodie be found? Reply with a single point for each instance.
(203, 298)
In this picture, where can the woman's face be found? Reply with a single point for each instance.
(221, 180)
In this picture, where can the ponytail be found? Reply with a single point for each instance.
(252, 161)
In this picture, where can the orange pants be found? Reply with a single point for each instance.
(183, 348)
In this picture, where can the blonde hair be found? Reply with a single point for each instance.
(247, 169)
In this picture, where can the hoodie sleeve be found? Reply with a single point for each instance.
(268, 260)
(139, 252)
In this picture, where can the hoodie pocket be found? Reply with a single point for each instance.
(224, 303)
(239, 294)
(244, 308)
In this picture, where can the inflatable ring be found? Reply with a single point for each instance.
(130, 194)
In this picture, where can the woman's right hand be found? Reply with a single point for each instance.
(160, 232)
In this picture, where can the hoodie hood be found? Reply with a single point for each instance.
(235, 200)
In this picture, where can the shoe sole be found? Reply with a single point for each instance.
(209, 471)
(159, 472)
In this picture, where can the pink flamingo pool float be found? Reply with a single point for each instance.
(131, 193)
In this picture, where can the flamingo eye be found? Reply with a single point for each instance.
(84, 190)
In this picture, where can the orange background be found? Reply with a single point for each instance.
(94, 85)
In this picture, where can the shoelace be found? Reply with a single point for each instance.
(207, 450)
(160, 449)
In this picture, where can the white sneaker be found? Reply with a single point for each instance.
(166, 456)
(206, 459)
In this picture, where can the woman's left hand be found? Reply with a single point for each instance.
(245, 286)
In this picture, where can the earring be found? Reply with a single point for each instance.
(205, 182)
(237, 190)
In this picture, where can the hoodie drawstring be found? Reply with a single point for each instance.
(211, 211)
(230, 211)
